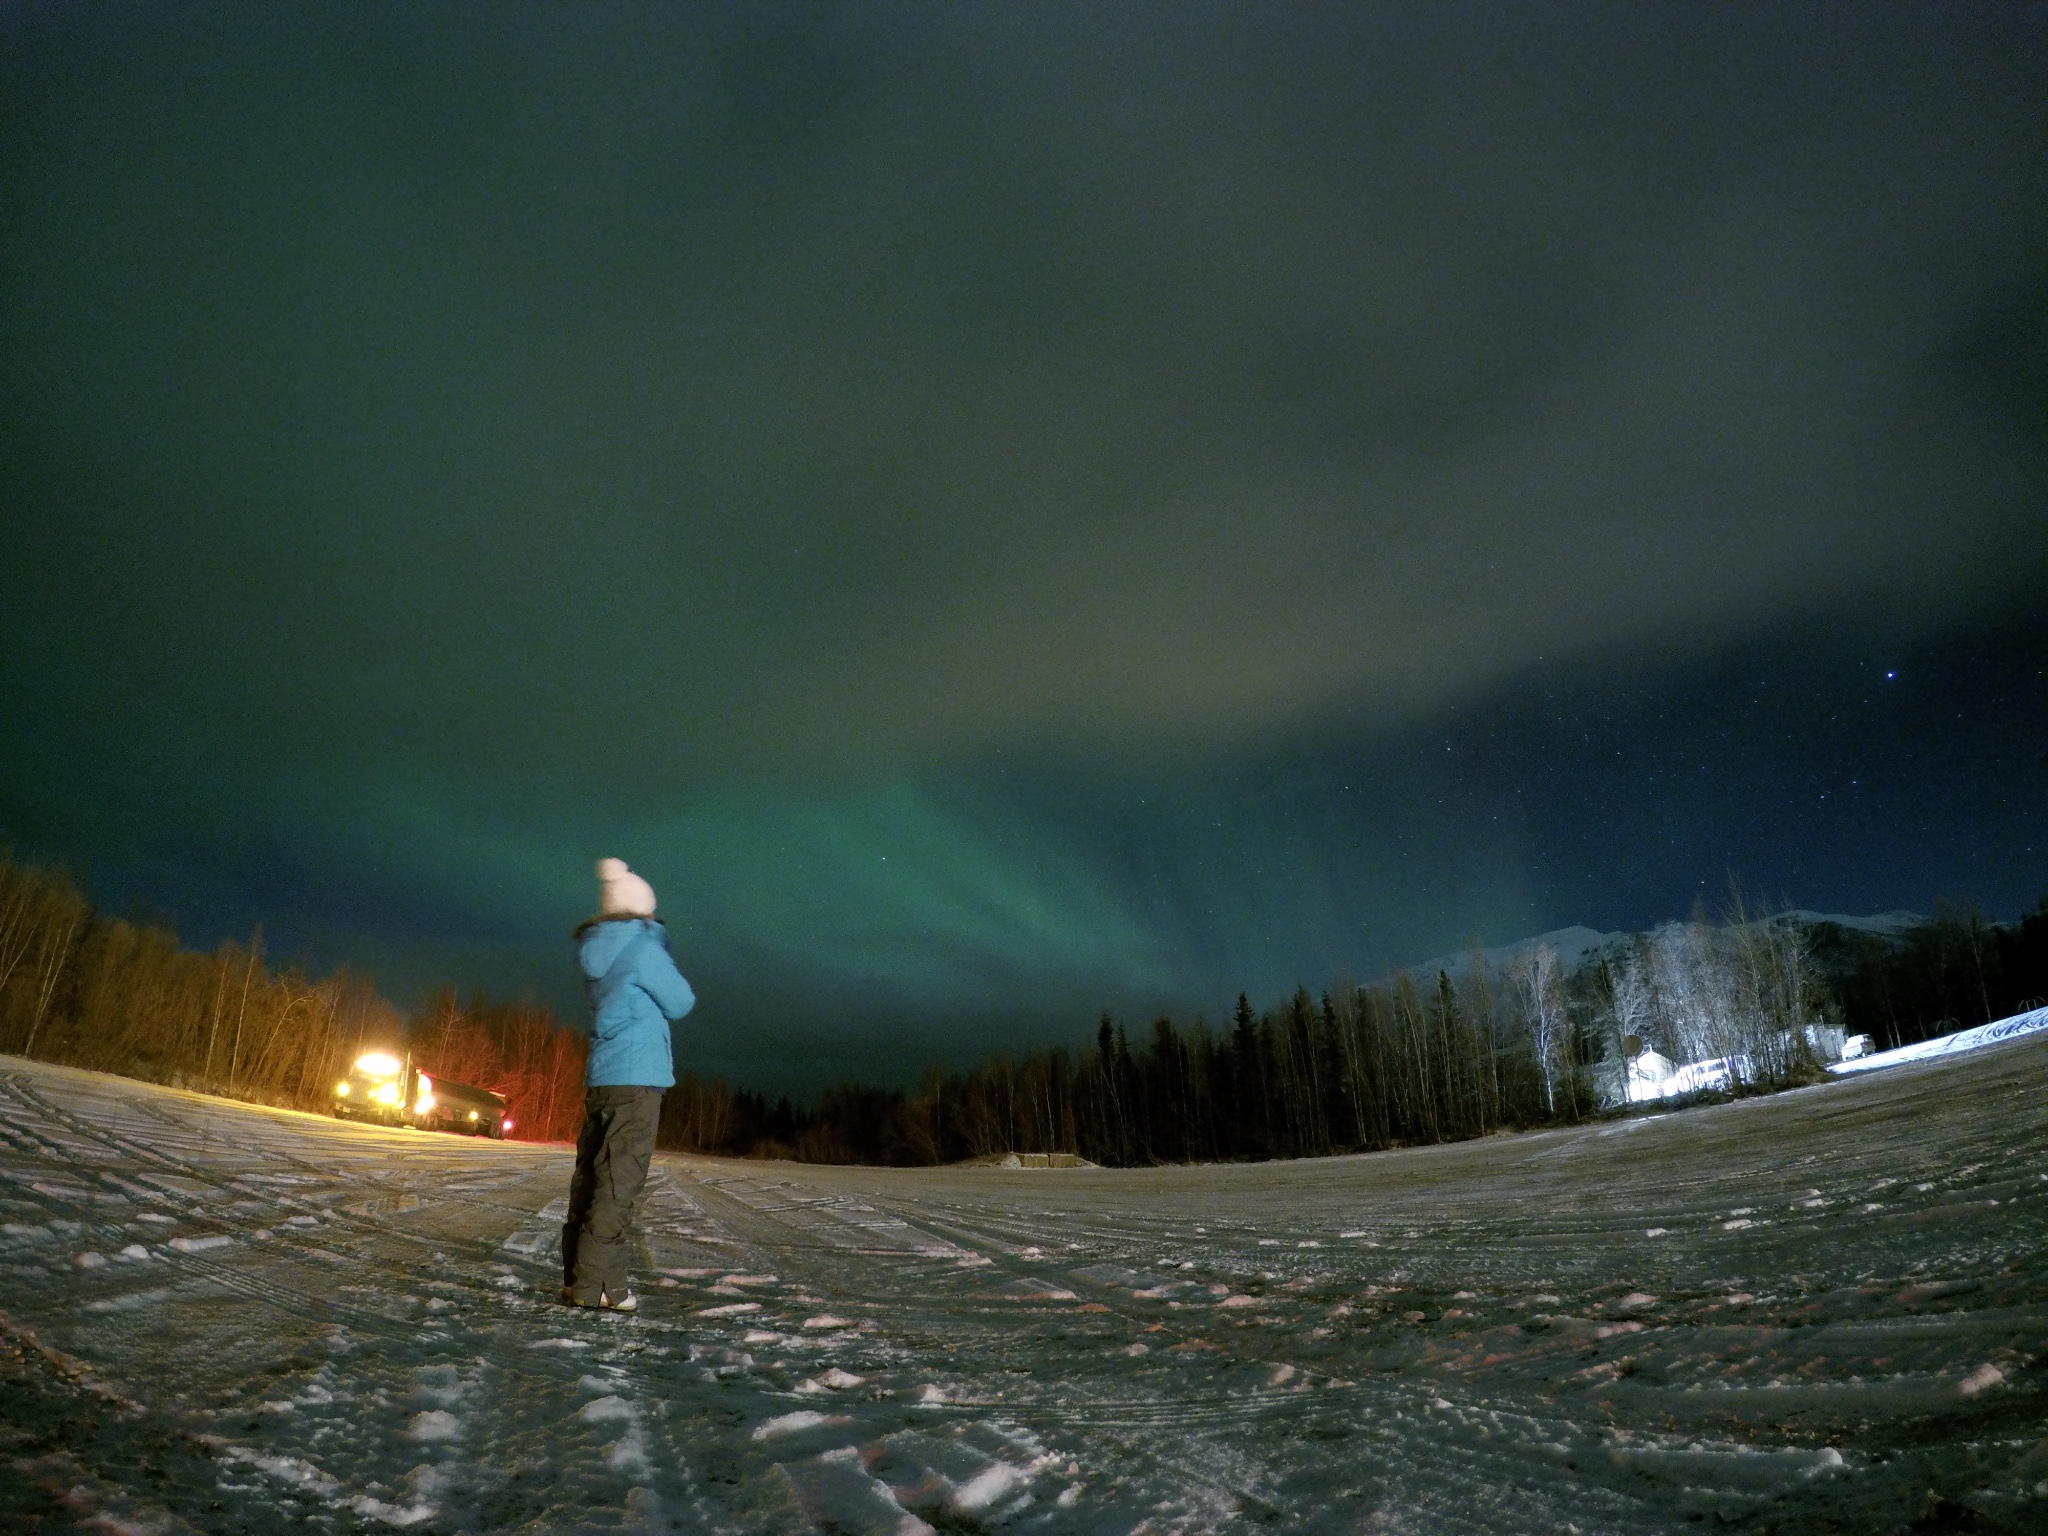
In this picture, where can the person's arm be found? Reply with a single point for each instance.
(664, 983)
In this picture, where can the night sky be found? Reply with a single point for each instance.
(1004, 511)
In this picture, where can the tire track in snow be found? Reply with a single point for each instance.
(1147, 1428)
(358, 1215)
(1595, 1377)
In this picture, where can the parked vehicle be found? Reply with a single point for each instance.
(392, 1090)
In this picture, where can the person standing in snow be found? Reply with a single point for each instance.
(635, 992)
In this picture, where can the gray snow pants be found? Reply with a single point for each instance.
(612, 1156)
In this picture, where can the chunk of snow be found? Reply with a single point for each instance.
(201, 1244)
(108, 1524)
(1981, 1379)
(89, 1259)
(291, 1469)
(796, 1423)
(984, 1488)
(124, 1303)
(287, 1469)
(1032, 1289)
(733, 1309)
(438, 1385)
(629, 1453)
(433, 1425)
(601, 1409)
(391, 1514)
(559, 1344)
(134, 1251)
(822, 1320)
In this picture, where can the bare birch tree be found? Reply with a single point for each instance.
(1534, 973)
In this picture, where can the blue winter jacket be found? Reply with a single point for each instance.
(634, 990)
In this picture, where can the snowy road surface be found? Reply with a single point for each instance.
(1824, 1310)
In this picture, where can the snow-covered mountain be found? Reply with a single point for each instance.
(1578, 944)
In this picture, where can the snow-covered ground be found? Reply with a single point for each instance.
(1822, 1310)
(1994, 1033)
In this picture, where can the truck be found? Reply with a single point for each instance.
(389, 1089)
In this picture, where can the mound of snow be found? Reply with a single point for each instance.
(1949, 1045)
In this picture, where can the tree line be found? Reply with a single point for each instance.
(93, 991)
(1415, 1059)
(1459, 1052)
(1948, 973)
(88, 990)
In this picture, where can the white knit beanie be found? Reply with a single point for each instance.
(624, 893)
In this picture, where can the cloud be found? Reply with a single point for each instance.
(1012, 380)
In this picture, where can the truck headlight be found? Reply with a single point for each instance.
(341, 1090)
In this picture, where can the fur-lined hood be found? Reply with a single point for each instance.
(612, 917)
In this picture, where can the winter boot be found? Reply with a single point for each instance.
(625, 1301)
